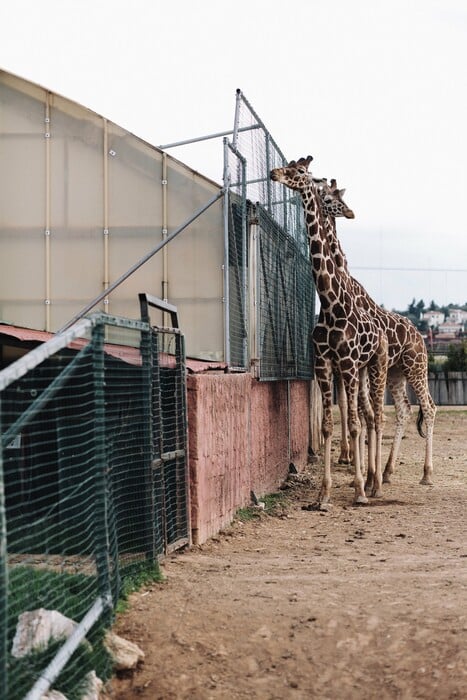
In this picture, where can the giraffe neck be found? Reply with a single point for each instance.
(334, 243)
(328, 279)
(358, 291)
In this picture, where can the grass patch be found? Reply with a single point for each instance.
(31, 588)
(24, 672)
(72, 595)
(274, 504)
(134, 578)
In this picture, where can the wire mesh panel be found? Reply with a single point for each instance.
(261, 153)
(92, 488)
(238, 266)
(280, 273)
(286, 303)
(169, 440)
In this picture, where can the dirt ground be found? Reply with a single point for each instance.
(357, 602)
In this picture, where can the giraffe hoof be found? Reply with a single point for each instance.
(426, 481)
(377, 493)
(360, 501)
(317, 506)
(386, 480)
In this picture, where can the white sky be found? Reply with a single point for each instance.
(375, 90)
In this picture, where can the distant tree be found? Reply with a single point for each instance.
(412, 308)
(456, 358)
(414, 311)
(433, 306)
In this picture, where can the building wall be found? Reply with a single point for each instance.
(243, 434)
(81, 201)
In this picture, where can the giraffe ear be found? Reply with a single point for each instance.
(342, 192)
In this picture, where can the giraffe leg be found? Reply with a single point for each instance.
(324, 377)
(367, 420)
(418, 378)
(344, 457)
(378, 377)
(398, 387)
(428, 409)
(351, 388)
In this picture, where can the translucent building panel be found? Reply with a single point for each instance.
(77, 166)
(22, 203)
(82, 201)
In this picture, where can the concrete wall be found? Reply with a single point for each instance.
(446, 389)
(241, 440)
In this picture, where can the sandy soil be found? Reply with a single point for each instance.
(367, 602)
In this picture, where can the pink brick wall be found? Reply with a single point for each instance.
(239, 440)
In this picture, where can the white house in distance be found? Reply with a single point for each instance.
(457, 316)
(433, 318)
(449, 327)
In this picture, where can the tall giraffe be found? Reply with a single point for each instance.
(407, 354)
(346, 339)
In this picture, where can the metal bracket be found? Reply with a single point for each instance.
(146, 300)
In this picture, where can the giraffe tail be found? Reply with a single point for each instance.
(420, 423)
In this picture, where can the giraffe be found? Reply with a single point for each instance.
(346, 339)
(333, 205)
(407, 354)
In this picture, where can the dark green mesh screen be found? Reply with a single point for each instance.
(93, 484)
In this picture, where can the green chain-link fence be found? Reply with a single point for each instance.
(93, 487)
(268, 258)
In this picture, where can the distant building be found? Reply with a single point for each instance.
(457, 316)
(433, 318)
(449, 330)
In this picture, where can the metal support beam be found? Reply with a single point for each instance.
(140, 262)
(165, 146)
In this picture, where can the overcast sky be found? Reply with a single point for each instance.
(375, 90)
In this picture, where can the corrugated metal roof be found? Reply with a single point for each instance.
(131, 356)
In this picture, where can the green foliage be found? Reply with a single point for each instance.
(88, 657)
(273, 503)
(71, 594)
(31, 588)
(433, 366)
(134, 578)
(456, 358)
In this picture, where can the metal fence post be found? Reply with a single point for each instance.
(3, 588)
(148, 446)
(101, 524)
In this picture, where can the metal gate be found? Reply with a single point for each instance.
(163, 352)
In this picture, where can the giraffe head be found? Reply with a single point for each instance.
(294, 175)
(332, 199)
